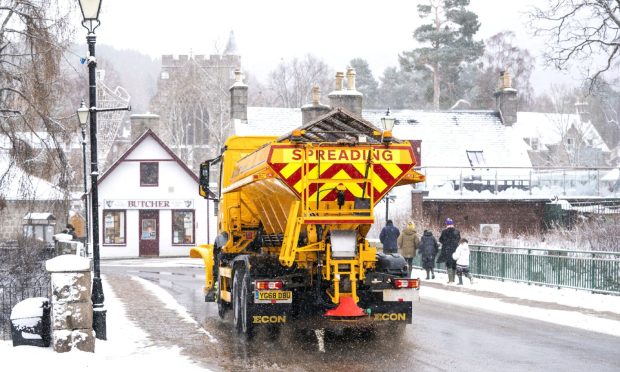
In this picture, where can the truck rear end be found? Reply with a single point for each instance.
(293, 215)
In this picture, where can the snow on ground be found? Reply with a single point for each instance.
(576, 299)
(127, 349)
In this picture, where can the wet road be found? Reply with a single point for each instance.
(442, 338)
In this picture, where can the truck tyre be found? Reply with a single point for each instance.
(247, 328)
(236, 298)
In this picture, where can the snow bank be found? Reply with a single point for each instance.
(127, 348)
(67, 263)
(29, 308)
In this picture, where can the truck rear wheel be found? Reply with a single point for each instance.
(236, 298)
(247, 327)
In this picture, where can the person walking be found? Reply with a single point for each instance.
(408, 242)
(388, 237)
(449, 239)
(461, 255)
(428, 251)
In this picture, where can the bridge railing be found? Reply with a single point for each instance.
(594, 271)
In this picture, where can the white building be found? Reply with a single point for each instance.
(149, 204)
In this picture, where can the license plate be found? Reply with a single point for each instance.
(401, 295)
(273, 296)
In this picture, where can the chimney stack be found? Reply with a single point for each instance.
(506, 100)
(350, 99)
(315, 109)
(239, 99)
(140, 123)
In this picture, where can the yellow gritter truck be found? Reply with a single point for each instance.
(293, 214)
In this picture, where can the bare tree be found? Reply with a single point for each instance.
(501, 53)
(580, 31)
(33, 37)
(575, 134)
(194, 105)
(291, 82)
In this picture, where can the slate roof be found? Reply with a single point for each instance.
(445, 135)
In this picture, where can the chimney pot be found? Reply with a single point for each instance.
(350, 78)
(316, 95)
(506, 80)
(339, 78)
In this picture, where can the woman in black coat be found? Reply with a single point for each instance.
(428, 250)
(449, 240)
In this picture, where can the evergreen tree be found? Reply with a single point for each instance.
(400, 89)
(366, 82)
(449, 40)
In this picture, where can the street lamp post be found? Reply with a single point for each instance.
(82, 114)
(388, 124)
(90, 12)
(388, 198)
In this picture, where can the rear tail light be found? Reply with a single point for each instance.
(267, 284)
(406, 283)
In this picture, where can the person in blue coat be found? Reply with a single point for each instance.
(389, 237)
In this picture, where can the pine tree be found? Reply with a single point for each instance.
(449, 40)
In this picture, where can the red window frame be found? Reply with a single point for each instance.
(143, 173)
(124, 212)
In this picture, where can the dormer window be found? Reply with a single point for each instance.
(149, 174)
(535, 144)
(476, 158)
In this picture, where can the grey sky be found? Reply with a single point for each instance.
(267, 31)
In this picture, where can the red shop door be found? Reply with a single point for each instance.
(149, 233)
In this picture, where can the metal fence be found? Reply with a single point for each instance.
(594, 271)
(22, 276)
(533, 181)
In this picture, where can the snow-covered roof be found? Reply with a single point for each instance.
(549, 128)
(39, 216)
(268, 121)
(16, 184)
(447, 136)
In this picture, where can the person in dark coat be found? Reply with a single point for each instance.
(428, 251)
(389, 237)
(69, 229)
(449, 239)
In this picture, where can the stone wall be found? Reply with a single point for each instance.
(12, 216)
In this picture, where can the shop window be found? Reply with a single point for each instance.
(149, 174)
(183, 227)
(114, 227)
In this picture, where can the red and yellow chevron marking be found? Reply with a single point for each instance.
(337, 164)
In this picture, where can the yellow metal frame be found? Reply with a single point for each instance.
(205, 251)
